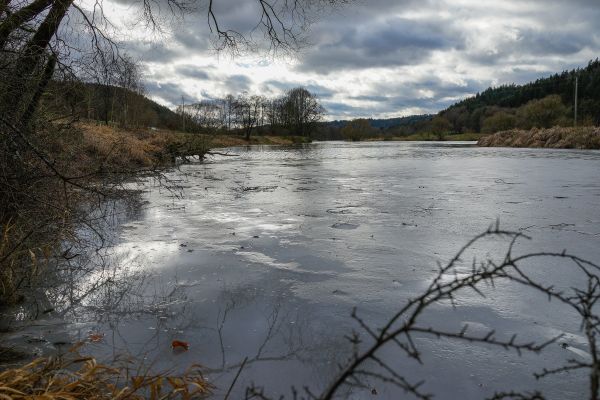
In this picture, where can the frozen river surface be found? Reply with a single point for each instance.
(267, 253)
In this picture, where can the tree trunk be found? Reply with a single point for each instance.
(41, 87)
(15, 20)
(24, 83)
(3, 6)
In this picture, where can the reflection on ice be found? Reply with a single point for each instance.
(267, 253)
(260, 258)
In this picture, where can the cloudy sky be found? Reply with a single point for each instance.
(375, 58)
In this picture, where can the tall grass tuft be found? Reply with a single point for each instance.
(74, 377)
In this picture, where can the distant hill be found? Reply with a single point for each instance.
(385, 123)
(469, 114)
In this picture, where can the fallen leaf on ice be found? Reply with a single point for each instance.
(96, 337)
(179, 344)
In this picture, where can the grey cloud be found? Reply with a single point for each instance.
(151, 52)
(400, 96)
(169, 92)
(531, 43)
(343, 110)
(316, 89)
(238, 83)
(395, 42)
(553, 42)
(192, 71)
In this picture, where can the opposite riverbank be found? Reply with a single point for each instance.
(556, 138)
(146, 147)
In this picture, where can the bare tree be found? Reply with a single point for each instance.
(207, 114)
(228, 111)
(301, 111)
(248, 111)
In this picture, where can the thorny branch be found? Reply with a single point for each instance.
(366, 364)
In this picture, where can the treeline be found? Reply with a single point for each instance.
(364, 128)
(296, 112)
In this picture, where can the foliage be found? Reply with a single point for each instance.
(440, 127)
(357, 130)
(542, 113)
(500, 121)
(385, 128)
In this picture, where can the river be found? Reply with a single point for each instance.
(266, 253)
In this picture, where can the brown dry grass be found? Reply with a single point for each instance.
(144, 147)
(141, 148)
(73, 377)
(556, 138)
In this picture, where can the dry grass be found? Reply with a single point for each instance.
(557, 138)
(144, 147)
(73, 377)
(139, 148)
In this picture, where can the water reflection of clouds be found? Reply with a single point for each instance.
(142, 254)
(423, 202)
(263, 259)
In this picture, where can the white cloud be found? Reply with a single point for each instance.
(378, 58)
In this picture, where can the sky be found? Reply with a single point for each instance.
(373, 59)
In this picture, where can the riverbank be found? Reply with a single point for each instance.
(80, 162)
(429, 137)
(151, 147)
(219, 141)
(556, 138)
(136, 148)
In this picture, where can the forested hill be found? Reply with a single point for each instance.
(333, 130)
(109, 104)
(468, 114)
